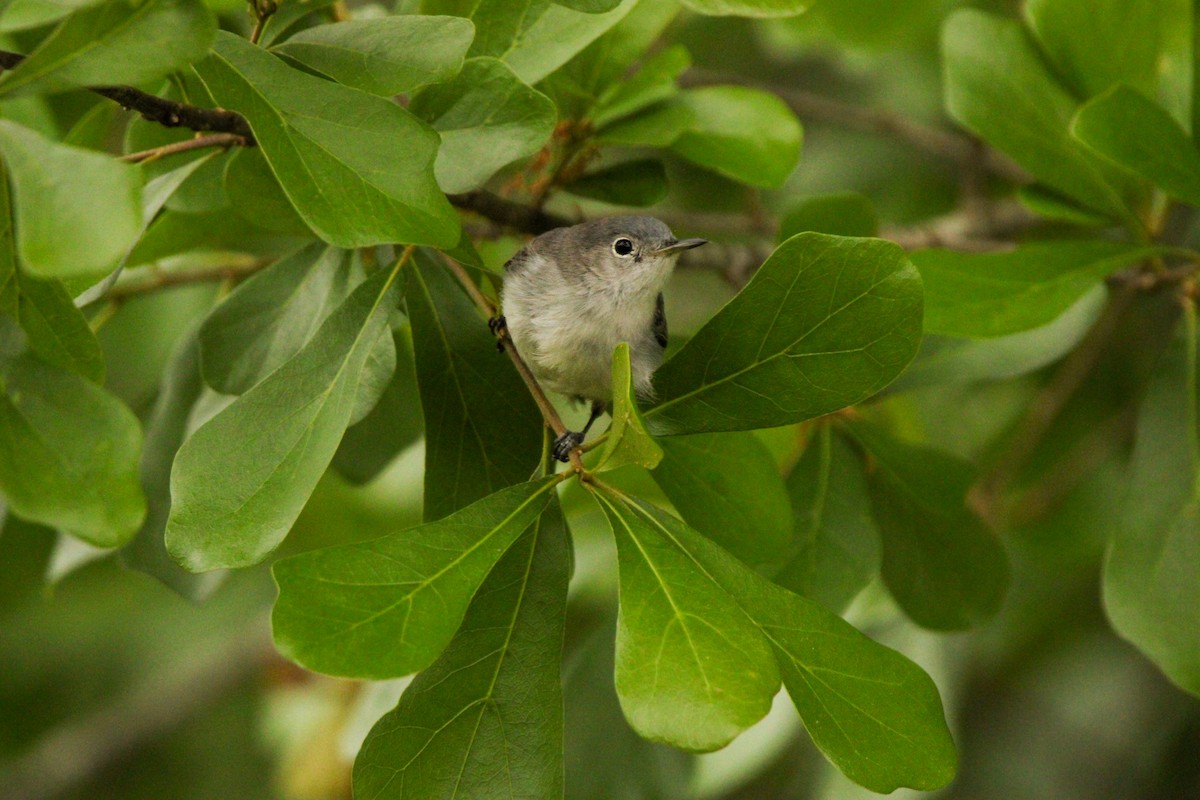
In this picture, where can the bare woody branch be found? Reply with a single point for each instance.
(158, 109)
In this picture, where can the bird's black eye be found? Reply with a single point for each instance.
(622, 247)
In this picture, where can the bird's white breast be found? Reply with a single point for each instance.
(567, 330)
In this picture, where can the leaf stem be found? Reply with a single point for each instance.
(263, 10)
(224, 140)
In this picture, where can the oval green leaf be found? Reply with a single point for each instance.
(334, 148)
(487, 118)
(384, 56)
(240, 481)
(826, 322)
(54, 187)
(118, 42)
(386, 607)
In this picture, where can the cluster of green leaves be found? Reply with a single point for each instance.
(1097, 102)
(303, 366)
(354, 340)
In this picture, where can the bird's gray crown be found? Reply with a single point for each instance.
(597, 236)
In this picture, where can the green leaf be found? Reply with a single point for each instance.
(1150, 589)
(996, 294)
(628, 442)
(68, 449)
(117, 42)
(872, 712)
(24, 14)
(748, 8)
(998, 87)
(242, 478)
(268, 318)
(534, 37)
(376, 375)
(604, 757)
(58, 332)
(945, 360)
(10, 292)
(1052, 205)
(660, 125)
(384, 56)
(1138, 134)
(590, 6)
(501, 666)
(826, 322)
(482, 429)
(54, 189)
(334, 148)
(838, 548)
(393, 424)
(386, 607)
(1095, 44)
(166, 429)
(487, 118)
(727, 487)
(745, 134)
(254, 193)
(155, 194)
(940, 562)
(652, 83)
(633, 183)
(605, 64)
(693, 671)
(841, 214)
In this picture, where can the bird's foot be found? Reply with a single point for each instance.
(564, 444)
(499, 328)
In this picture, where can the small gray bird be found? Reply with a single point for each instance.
(573, 294)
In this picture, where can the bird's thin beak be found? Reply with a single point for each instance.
(682, 244)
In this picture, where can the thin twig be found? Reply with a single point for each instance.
(225, 140)
(152, 279)
(549, 414)
(157, 109)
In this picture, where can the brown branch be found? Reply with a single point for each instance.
(940, 142)
(549, 414)
(517, 216)
(158, 109)
(225, 140)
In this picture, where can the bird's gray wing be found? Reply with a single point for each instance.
(659, 325)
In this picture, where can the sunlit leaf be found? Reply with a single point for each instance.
(117, 42)
(240, 481)
(384, 56)
(628, 442)
(334, 148)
